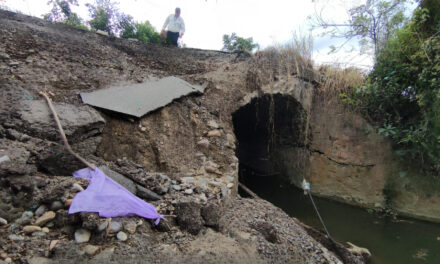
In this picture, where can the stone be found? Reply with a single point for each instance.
(359, 251)
(82, 235)
(90, 249)
(4, 158)
(189, 191)
(203, 143)
(202, 182)
(144, 193)
(203, 197)
(4, 56)
(56, 205)
(215, 133)
(122, 236)
(68, 202)
(213, 124)
(25, 218)
(45, 230)
(115, 226)
(130, 227)
(45, 218)
(101, 32)
(39, 234)
(231, 139)
(177, 187)
(187, 180)
(103, 226)
(3, 221)
(15, 237)
(230, 185)
(41, 210)
(224, 191)
(8, 260)
(76, 187)
(30, 229)
(210, 169)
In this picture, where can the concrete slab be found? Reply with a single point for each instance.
(141, 98)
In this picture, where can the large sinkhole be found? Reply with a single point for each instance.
(271, 135)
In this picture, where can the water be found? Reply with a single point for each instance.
(401, 241)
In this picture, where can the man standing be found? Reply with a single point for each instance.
(176, 27)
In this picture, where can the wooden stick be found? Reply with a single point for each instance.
(63, 135)
(246, 189)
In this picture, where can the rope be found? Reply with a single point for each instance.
(306, 187)
(319, 216)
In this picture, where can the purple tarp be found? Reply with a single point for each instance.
(108, 198)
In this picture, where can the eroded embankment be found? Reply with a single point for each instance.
(181, 158)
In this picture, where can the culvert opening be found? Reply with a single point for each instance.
(271, 136)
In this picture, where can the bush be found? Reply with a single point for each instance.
(402, 94)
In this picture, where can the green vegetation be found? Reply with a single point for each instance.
(105, 16)
(62, 13)
(141, 31)
(236, 43)
(402, 93)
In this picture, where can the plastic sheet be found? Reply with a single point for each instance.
(108, 198)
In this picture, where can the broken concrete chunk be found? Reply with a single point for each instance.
(188, 217)
(140, 98)
(14, 159)
(211, 213)
(79, 122)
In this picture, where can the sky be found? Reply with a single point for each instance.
(268, 22)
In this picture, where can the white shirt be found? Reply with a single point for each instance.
(174, 24)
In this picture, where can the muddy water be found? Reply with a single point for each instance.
(390, 241)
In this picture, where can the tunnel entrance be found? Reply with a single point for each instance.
(271, 136)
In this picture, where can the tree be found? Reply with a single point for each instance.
(146, 33)
(105, 16)
(62, 13)
(127, 26)
(236, 43)
(141, 31)
(373, 23)
(402, 92)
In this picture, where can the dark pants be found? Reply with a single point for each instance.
(172, 37)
